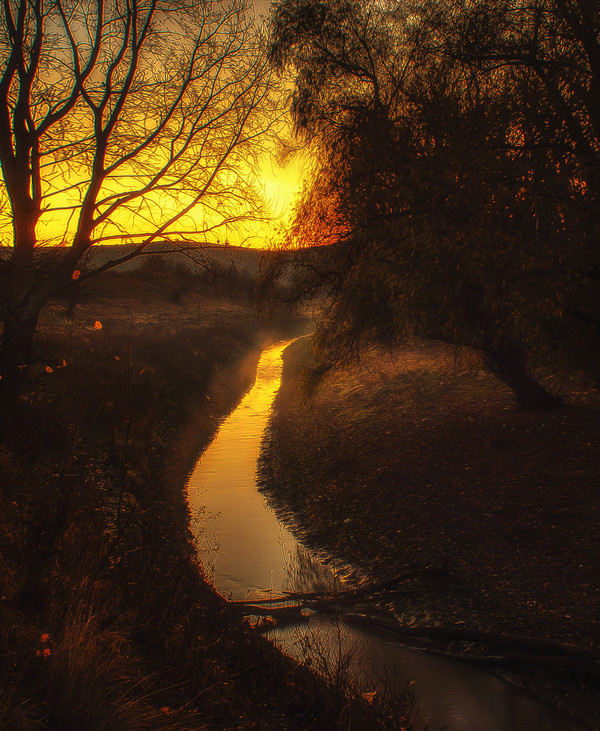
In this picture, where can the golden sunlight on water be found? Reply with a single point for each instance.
(253, 548)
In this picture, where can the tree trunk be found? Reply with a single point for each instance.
(15, 357)
(509, 365)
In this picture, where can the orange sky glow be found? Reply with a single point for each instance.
(277, 181)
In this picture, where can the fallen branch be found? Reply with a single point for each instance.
(376, 590)
(514, 649)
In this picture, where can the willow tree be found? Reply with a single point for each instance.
(120, 121)
(445, 181)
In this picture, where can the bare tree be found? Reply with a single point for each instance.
(120, 121)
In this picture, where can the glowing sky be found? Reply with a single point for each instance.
(281, 184)
(279, 180)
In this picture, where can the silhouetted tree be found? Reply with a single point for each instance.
(127, 120)
(454, 189)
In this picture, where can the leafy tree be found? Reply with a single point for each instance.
(455, 190)
(120, 120)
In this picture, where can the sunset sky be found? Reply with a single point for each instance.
(282, 182)
(278, 179)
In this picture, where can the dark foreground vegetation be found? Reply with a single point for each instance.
(106, 619)
(420, 459)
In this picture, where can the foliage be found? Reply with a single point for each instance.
(456, 180)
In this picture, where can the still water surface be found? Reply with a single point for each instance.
(254, 554)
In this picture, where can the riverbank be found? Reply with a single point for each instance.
(421, 458)
(107, 621)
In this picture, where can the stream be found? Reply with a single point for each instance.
(252, 555)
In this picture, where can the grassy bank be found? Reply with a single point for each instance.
(421, 458)
(106, 620)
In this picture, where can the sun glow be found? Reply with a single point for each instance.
(282, 184)
(162, 133)
(278, 183)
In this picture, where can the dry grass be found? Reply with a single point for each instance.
(430, 449)
(106, 621)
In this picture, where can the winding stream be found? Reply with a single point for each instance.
(253, 555)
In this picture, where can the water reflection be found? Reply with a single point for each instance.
(452, 695)
(258, 556)
(306, 573)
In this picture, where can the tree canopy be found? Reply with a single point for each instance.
(456, 176)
